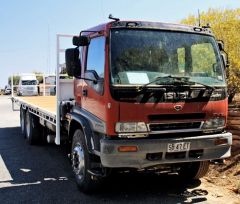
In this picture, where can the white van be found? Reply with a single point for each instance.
(28, 85)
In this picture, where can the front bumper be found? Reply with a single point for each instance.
(28, 93)
(202, 148)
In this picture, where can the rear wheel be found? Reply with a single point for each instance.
(22, 121)
(32, 128)
(81, 163)
(194, 170)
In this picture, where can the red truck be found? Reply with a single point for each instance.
(147, 96)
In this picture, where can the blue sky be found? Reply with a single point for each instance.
(28, 28)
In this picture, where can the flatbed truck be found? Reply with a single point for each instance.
(145, 96)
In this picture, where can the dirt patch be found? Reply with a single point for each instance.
(223, 179)
(226, 175)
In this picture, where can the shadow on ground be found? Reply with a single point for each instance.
(43, 174)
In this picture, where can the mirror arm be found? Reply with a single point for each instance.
(227, 62)
(93, 80)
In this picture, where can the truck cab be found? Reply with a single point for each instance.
(147, 96)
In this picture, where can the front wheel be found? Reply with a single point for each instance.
(81, 163)
(194, 170)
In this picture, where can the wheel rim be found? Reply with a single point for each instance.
(27, 125)
(78, 163)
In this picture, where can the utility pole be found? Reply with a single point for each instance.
(199, 18)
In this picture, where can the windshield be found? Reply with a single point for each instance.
(29, 82)
(138, 57)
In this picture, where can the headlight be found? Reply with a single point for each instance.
(217, 94)
(218, 122)
(131, 127)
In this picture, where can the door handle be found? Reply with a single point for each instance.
(84, 92)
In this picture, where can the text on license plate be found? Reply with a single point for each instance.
(178, 147)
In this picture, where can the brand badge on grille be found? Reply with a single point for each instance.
(178, 107)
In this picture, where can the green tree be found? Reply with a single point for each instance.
(225, 24)
(15, 80)
(39, 76)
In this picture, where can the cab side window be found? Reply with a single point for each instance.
(95, 64)
(95, 57)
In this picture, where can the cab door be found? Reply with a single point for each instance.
(93, 91)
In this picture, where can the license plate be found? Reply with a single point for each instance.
(178, 147)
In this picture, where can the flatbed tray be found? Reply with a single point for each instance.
(46, 104)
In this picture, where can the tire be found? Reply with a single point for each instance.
(194, 170)
(32, 128)
(22, 121)
(81, 163)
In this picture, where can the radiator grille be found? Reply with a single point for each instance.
(177, 116)
(174, 126)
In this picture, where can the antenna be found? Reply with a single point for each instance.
(113, 18)
(199, 18)
(48, 51)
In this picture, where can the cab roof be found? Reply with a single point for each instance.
(151, 25)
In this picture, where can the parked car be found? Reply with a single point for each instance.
(7, 90)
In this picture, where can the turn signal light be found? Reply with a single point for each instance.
(127, 148)
(221, 141)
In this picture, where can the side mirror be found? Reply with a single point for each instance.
(225, 59)
(73, 63)
(220, 45)
(224, 55)
(81, 41)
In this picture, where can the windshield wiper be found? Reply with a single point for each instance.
(176, 80)
(205, 85)
(160, 78)
(140, 88)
